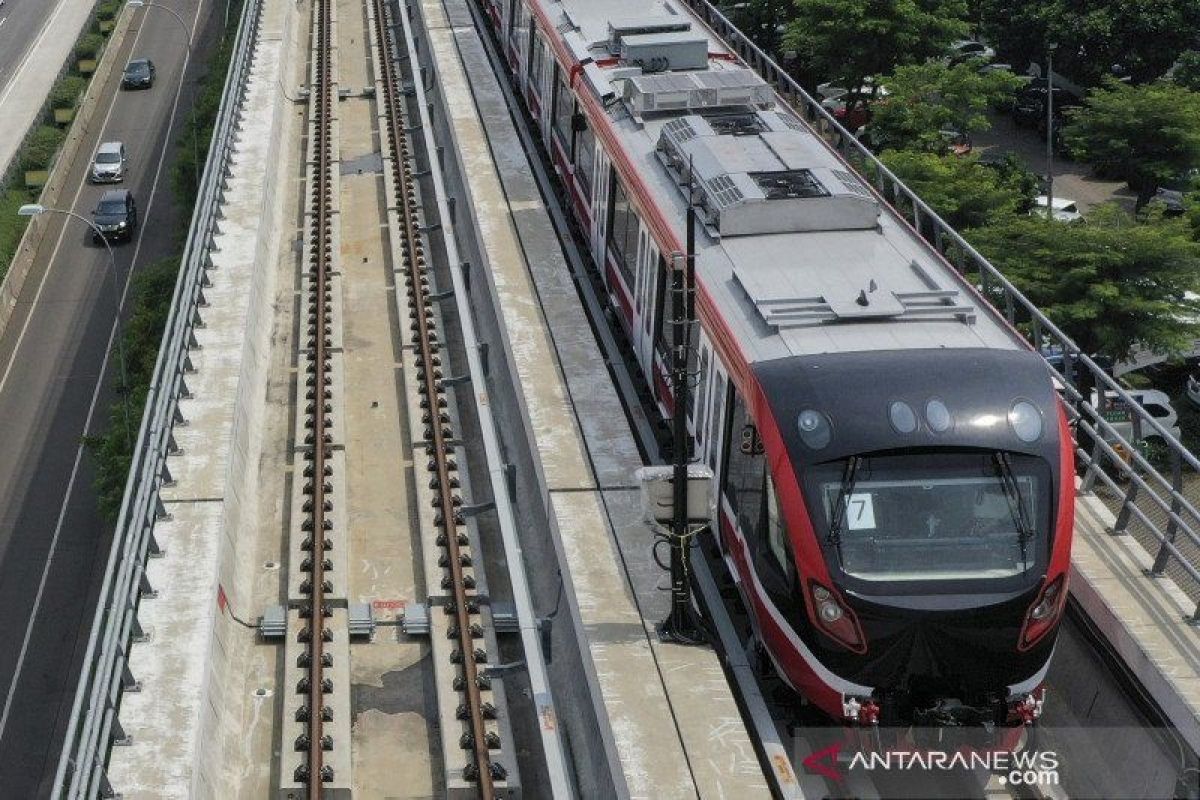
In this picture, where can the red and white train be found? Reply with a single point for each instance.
(895, 468)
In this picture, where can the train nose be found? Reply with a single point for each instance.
(945, 647)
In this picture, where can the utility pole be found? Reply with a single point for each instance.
(1050, 130)
(681, 626)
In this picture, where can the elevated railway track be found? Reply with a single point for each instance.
(374, 137)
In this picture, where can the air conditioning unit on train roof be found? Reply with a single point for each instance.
(618, 29)
(695, 91)
(659, 52)
(756, 173)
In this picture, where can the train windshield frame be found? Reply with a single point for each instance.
(903, 519)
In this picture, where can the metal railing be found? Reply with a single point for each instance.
(1132, 487)
(94, 725)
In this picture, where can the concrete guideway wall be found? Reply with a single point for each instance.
(188, 723)
(79, 132)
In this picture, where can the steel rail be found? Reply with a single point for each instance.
(318, 403)
(438, 433)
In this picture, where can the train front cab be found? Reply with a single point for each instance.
(899, 524)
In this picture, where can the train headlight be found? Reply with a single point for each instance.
(1044, 614)
(815, 429)
(1026, 421)
(902, 417)
(834, 619)
(938, 416)
(827, 607)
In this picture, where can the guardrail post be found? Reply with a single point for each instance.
(1119, 527)
(1164, 549)
(128, 682)
(117, 734)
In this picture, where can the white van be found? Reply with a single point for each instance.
(1155, 402)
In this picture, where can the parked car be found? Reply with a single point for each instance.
(115, 216)
(987, 69)
(108, 165)
(1156, 403)
(966, 49)
(1029, 107)
(957, 142)
(1065, 210)
(1171, 194)
(139, 74)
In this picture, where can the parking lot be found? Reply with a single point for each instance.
(1071, 179)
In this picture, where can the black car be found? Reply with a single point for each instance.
(1029, 109)
(139, 74)
(115, 217)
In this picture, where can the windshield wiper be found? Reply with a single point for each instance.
(849, 476)
(1016, 503)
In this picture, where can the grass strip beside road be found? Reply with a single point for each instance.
(154, 285)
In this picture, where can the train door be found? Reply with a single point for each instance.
(644, 301)
(599, 229)
(698, 398)
(513, 44)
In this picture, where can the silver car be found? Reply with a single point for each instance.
(109, 164)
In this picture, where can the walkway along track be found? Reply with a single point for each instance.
(438, 438)
(318, 405)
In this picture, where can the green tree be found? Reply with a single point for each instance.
(761, 20)
(846, 41)
(963, 192)
(1144, 37)
(1144, 134)
(1112, 284)
(1187, 70)
(925, 99)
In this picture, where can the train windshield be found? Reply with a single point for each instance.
(935, 516)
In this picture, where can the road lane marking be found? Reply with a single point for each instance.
(62, 512)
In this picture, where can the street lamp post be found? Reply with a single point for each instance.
(33, 210)
(1050, 130)
(187, 42)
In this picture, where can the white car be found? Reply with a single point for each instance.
(828, 91)
(108, 165)
(969, 48)
(1156, 403)
(1065, 210)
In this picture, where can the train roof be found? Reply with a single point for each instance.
(798, 255)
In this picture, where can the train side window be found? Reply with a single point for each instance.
(585, 154)
(622, 219)
(512, 20)
(745, 471)
(777, 539)
(718, 420)
(564, 112)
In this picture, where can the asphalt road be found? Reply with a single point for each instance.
(55, 387)
(21, 22)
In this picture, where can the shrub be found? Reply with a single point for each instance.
(40, 148)
(89, 46)
(108, 10)
(66, 92)
(11, 225)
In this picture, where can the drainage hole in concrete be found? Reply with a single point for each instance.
(262, 692)
(271, 565)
